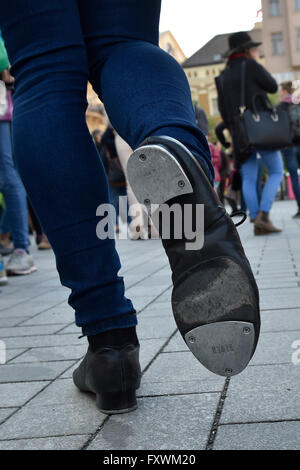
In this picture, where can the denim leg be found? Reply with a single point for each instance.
(144, 89)
(57, 159)
(13, 191)
(249, 185)
(292, 157)
(274, 164)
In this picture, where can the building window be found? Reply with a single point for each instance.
(297, 5)
(195, 74)
(277, 44)
(274, 7)
(217, 57)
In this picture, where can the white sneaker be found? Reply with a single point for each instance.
(20, 263)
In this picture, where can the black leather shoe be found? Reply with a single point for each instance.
(114, 375)
(215, 297)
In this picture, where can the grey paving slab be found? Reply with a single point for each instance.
(275, 348)
(32, 372)
(277, 302)
(5, 413)
(46, 443)
(263, 393)
(13, 353)
(25, 309)
(280, 320)
(176, 344)
(27, 331)
(179, 373)
(57, 353)
(7, 322)
(42, 341)
(16, 394)
(161, 423)
(149, 349)
(148, 328)
(259, 436)
(145, 291)
(56, 315)
(158, 309)
(62, 391)
(279, 283)
(52, 420)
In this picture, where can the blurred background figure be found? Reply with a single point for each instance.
(14, 220)
(258, 83)
(116, 176)
(292, 153)
(97, 136)
(216, 159)
(36, 229)
(138, 226)
(201, 119)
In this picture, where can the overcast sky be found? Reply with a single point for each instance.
(194, 22)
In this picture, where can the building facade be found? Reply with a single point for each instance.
(168, 43)
(206, 64)
(281, 36)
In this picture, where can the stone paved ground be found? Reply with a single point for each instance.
(181, 405)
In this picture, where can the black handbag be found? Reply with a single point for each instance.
(260, 129)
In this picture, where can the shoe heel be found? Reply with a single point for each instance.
(117, 402)
(155, 176)
(259, 231)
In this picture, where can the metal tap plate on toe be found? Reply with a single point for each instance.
(223, 348)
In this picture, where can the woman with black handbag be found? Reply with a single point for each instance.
(257, 131)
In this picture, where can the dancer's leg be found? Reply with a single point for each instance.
(57, 159)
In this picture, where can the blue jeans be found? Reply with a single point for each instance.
(292, 161)
(14, 218)
(249, 170)
(55, 47)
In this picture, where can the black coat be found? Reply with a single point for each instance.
(229, 84)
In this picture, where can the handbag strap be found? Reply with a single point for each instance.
(243, 88)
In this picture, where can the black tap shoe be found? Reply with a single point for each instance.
(113, 375)
(215, 298)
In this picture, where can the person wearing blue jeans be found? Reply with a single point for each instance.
(292, 161)
(14, 218)
(259, 211)
(55, 47)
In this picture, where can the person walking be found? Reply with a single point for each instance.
(258, 83)
(138, 226)
(97, 136)
(146, 94)
(292, 154)
(15, 218)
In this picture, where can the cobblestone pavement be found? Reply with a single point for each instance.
(181, 405)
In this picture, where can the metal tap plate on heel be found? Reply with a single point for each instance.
(155, 175)
(224, 348)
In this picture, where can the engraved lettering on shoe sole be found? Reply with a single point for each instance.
(222, 349)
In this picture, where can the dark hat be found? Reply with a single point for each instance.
(239, 42)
